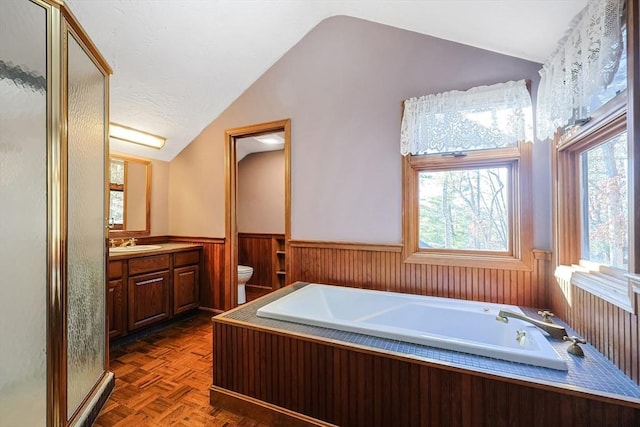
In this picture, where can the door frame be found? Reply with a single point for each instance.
(231, 200)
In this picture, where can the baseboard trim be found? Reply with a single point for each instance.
(259, 287)
(150, 330)
(210, 310)
(260, 410)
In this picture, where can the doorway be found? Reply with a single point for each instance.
(232, 138)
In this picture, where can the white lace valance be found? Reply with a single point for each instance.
(583, 65)
(482, 117)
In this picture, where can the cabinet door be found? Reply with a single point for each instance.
(148, 299)
(186, 292)
(116, 308)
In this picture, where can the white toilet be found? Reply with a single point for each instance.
(244, 274)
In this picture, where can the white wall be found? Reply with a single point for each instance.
(260, 206)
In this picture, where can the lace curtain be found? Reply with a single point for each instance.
(482, 117)
(584, 64)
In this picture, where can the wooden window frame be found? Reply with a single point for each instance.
(520, 255)
(619, 114)
(123, 189)
(611, 284)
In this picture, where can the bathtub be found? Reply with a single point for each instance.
(451, 324)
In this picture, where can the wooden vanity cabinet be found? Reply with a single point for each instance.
(116, 307)
(146, 289)
(149, 290)
(186, 281)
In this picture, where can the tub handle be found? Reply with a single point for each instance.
(574, 348)
(546, 316)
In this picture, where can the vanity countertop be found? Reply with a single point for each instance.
(162, 249)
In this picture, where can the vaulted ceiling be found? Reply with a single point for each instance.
(179, 63)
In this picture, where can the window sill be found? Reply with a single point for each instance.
(476, 261)
(613, 287)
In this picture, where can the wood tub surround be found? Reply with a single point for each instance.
(149, 287)
(355, 383)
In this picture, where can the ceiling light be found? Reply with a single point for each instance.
(271, 139)
(124, 133)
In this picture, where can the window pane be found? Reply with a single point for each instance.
(465, 209)
(117, 171)
(116, 207)
(605, 203)
(617, 85)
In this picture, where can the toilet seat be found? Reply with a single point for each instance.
(245, 269)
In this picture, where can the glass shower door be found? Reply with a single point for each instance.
(23, 213)
(86, 328)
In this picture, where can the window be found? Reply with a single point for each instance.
(465, 209)
(117, 195)
(594, 202)
(605, 202)
(467, 177)
(471, 209)
(595, 195)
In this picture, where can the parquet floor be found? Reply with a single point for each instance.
(164, 378)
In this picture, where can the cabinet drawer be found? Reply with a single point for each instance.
(115, 269)
(149, 264)
(186, 258)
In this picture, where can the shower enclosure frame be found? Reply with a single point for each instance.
(65, 25)
(61, 26)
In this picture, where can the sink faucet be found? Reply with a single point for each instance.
(556, 331)
(130, 242)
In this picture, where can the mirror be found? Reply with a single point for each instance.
(129, 195)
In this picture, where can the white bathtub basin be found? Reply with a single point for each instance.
(460, 325)
(129, 249)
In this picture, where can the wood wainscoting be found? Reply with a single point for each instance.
(262, 252)
(212, 290)
(380, 267)
(614, 331)
(352, 386)
(261, 248)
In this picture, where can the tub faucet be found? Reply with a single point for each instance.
(556, 331)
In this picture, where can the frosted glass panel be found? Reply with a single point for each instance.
(23, 213)
(86, 239)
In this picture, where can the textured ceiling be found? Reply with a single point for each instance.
(178, 64)
(250, 145)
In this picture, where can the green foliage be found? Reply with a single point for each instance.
(605, 203)
(464, 209)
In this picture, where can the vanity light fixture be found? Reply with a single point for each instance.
(272, 139)
(124, 133)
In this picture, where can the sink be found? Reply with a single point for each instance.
(129, 249)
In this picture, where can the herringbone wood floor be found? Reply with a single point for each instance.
(164, 378)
